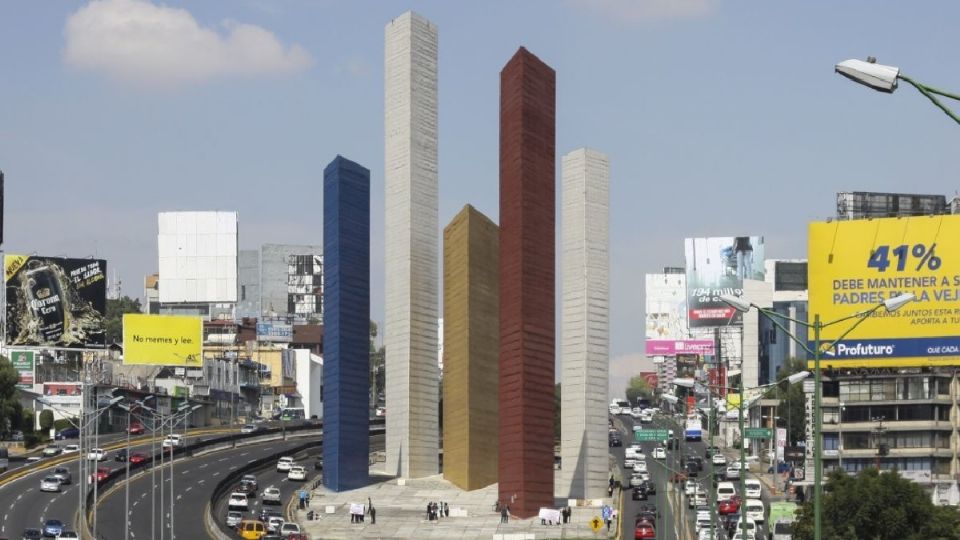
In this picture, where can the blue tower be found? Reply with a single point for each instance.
(346, 299)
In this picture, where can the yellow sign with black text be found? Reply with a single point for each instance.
(166, 340)
(854, 266)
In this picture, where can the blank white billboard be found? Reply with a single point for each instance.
(198, 256)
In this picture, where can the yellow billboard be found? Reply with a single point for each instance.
(856, 265)
(167, 340)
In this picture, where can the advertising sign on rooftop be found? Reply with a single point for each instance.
(165, 340)
(715, 267)
(55, 302)
(857, 265)
(23, 363)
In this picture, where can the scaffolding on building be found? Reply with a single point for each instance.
(867, 204)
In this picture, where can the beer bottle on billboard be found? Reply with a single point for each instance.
(45, 301)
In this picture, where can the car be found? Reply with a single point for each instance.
(718, 460)
(638, 493)
(172, 441)
(50, 483)
(381, 411)
(52, 450)
(67, 433)
(725, 490)
(297, 473)
(728, 506)
(32, 459)
(63, 475)
(136, 428)
(52, 527)
(270, 495)
(138, 457)
(237, 501)
(644, 529)
(690, 487)
(267, 513)
(635, 481)
(121, 455)
(234, 518)
(691, 468)
(318, 464)
(649, 487)
(250, 478)
(284, 464)
(99, 476)
(695, 460)
(615, 442)
(68, 534)
(629, 462)
(71, 448)
(741, 535)
(659, 453)
(274, 524)
(247, 488)
(97, 454)
(754, 510)
(752, 488)
(289, 528)
(640, 466)
(250, 428)
(251, 529)
(31, 534)
(643, 475)
(711, 451)
(698, 498)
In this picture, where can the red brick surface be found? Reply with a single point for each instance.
(527, 273)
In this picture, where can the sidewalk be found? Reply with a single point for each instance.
(401, 513)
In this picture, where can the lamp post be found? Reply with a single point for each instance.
(884, 79)
(126, 514)
(743, 305)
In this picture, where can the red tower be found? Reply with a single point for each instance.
(527, 274)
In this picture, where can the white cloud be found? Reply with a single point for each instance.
(646, 10)
(623, 367)
(137, 42)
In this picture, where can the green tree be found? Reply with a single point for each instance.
(877, 506)
(638, 387)
(11, 412)
(113, 323)
(791, 411)
(46, 419)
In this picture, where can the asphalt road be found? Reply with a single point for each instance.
(23, 505)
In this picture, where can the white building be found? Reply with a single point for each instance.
(309, 375)
(412, 244)
(585, 327)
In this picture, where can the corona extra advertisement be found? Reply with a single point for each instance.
(165, 340)
(856, 265)
(55, 302)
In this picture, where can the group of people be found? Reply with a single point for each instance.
(435, 511)
(357, 512)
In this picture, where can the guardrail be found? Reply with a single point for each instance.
(82, 522)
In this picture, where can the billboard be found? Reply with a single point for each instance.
(274, 332)
(718, 266)
(666, 307)
(197, 256)
(166, 340)
(23, 362)
(856, 265)
(664, 347)
(55, 302)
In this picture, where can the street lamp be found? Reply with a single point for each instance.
(743, 305)
(884, 79)
(126, 514)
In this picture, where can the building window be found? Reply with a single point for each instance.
(831, 441)
(243, 292)
(831, 415)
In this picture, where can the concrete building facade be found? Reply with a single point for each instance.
(585, 327)
(471, 299)
(346, 367)
(527, 278)
(412, 246)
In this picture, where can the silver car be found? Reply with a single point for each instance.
(50, 483)
(234, 518)
(63, 474)
(270, 495)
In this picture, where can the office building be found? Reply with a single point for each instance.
(412, 251)
(281, 282)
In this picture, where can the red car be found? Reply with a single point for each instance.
(729, 506)
(644, 529)
(138, 457)
(136, 428)
(101, 474)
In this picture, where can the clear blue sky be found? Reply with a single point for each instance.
(719, 118)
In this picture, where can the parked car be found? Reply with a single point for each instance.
(67, 433)
(63, 475)
(50, 483)
(136, 428)
(270, 495)
(51, 450)
(297, 473)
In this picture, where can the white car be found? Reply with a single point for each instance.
(725, 491)
(274, 524)
(270, 495)
(640, 466)
(643, 475)
(234, 518)
(289, 528)
(249, 428)
(733, 471)
(284, 464)
(50, 483)
(297, 472)
(690, 487)
(97, 454)
(755, 511)
(70, 448)
(173, 441)
(635, 480)
(659, 453)
(629, 462)
(752, 488)
(718, 460)
(238, 501)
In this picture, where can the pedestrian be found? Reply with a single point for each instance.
(446, 510)
(504, 514)
(373, 515)
(429, 507)
(353, 517)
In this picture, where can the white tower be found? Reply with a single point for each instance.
(412, 243)
(585, 327)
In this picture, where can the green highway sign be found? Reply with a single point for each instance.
(757, 433)
(650, 435)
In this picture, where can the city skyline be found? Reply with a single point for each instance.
(233, 135)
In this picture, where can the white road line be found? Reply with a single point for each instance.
(221, 459)
(245, 453)
(233, 468)
(216, 474)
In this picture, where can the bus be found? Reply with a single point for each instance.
(694, 430)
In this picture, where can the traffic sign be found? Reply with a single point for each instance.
(650, 435)
(596, 524)
(757, 433)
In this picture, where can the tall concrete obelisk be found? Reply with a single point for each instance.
(412, 246)
(585, 326)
